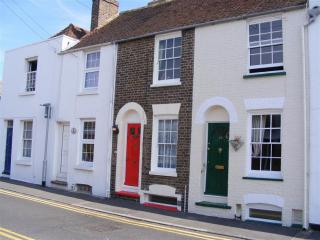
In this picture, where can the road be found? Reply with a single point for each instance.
(24, 217)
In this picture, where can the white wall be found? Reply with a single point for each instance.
(17, 105)
(74, 105)
(314, 60)
(221, 60)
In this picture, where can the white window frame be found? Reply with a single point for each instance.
(155, 170)
(256, 173)
(31, 73)
(86, 164)
(88, 70)
(156, 81)
(22, 157)
(259, 21)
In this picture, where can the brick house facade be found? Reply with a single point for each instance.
(133, 84)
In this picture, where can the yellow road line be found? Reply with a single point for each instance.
(12, 235)
(114, 218)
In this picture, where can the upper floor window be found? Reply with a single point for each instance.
(32, 66)
(266, 46)
(92, 70)
(266, 143)
(168, 52)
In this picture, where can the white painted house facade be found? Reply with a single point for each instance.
(248, 83)
(31, 78)
(84, 119)
(314, 73)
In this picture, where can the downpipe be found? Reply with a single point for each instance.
(47, 115)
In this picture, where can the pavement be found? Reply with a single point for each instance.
(136, 221)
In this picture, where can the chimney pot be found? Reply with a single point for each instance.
(103, 11)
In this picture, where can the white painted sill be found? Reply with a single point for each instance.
(88, 92)
(24, 162)
(158, 172)
(166, 83)
(83, 167)
(22, 94)
(271, 176)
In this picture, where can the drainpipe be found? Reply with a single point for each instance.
(47, 115)
(305, 127)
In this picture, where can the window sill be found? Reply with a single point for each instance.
(23, 162)
(264, 74)
(264, 179)
(88, 92)
(166, 84)
(84, 168)
(27, 94)
(163, 173)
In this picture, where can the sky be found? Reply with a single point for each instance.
(27, 21)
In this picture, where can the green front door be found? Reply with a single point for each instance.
(217, 159)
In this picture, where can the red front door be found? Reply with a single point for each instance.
(133, 155)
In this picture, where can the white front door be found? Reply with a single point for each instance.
(64, 152)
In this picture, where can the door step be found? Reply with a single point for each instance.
(160, 206)
(213, 205)
(128, 195)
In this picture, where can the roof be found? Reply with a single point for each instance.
(177, 14)
(72, 31)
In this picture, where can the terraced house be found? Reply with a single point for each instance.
(189, 105)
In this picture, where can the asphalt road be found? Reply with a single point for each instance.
(27, 219)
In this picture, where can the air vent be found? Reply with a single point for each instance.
(265, 215)
(163, 200)
(83, 188)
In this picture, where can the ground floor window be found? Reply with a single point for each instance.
(266, 147)
(27, 139)
(87, 142)
(167, 143)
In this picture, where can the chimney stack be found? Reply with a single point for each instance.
(103, 11)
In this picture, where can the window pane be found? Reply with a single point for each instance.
(277, 25)
(265, 27)
(161, 137)
(169, 53)
(254, 29)
(266, 58)
(177, 52)
(265, 164)
(92, 79)
(162, 44)
(255, 50)
(170, 64)
(256, 150)
(276, 35)
(176, 74)
(255, 138)
(169, 74)
(276, 135)
(276, 121)
(170, 43)
(276, 164)
(255, 163)
(162, 65)
(161, 125)
(177, 63)
(178, 42)
(162, 75)
(266, 121)
(278, 57)
(162, 54)
(266, 150)
(160, 161)
(276, 150)
(265, 135)
(256, 121)
(254, 38)
(254, 60)
(89, 130)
